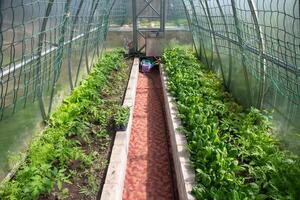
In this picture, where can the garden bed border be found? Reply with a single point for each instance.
(115, 177)
(185, 174)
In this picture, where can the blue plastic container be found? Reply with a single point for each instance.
(146, 65)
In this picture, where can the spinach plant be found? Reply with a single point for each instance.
(233, 151)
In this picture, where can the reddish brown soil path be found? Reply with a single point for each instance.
(148, 174)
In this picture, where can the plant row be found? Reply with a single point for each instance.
(68, 161)
(232, 149)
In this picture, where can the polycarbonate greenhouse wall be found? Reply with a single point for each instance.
(255, 47)
(48, 46)
(44, 44)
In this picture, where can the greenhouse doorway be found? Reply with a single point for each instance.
(148, 25)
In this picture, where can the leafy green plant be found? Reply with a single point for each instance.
(121, 118)
(232, 150)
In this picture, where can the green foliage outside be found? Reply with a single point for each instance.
(232, 150)
(81, 121)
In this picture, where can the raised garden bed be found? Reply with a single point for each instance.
(115, 177)
(184, 173)
(233, 152)
(70, 159)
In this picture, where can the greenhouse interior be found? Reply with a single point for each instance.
(149, 99)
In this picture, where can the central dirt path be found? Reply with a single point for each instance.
(148, 174)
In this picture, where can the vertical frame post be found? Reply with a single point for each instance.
(134, 24)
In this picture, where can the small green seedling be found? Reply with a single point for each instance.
(121, 118)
